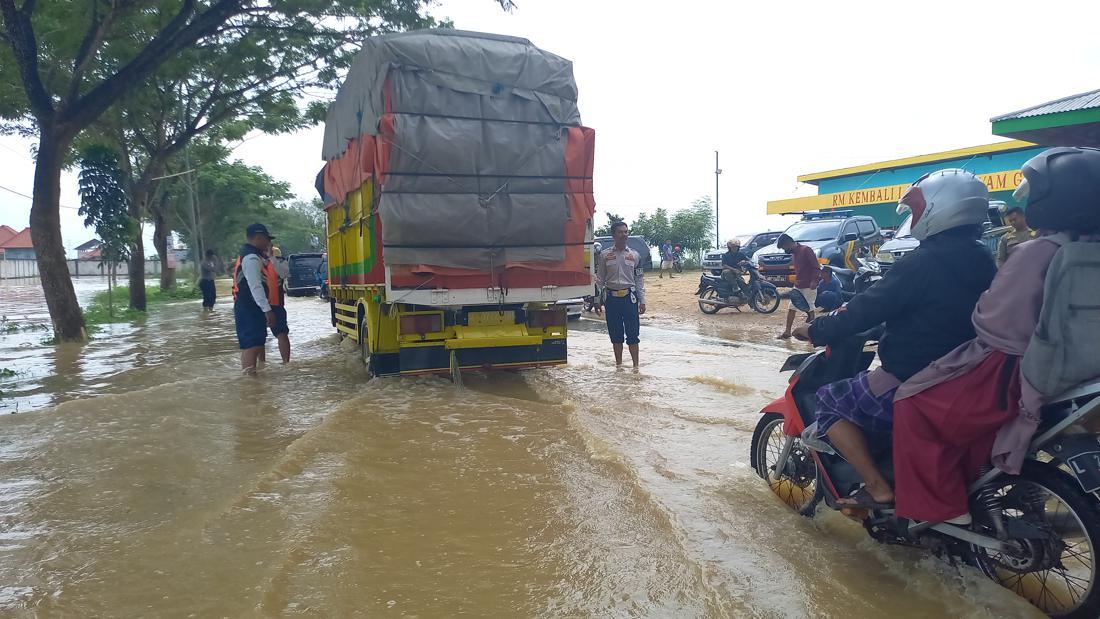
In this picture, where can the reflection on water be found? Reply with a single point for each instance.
(150, 478)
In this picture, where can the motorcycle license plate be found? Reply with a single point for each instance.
(1086, 467)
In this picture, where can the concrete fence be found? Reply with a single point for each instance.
(19, 269)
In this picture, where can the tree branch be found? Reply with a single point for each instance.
(180, 32)
(89, 46)
(25, 48)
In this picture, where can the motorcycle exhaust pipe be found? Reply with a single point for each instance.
(713, 302)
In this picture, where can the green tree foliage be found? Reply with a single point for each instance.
(232, 195)
(693, 227)
(67, 62)
(655, 228)
(612, 219)
(104, 207)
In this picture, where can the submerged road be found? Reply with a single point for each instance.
(144, 476)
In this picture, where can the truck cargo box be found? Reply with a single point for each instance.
(459, 162)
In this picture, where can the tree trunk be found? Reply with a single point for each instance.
(160, 241)
(136, 264)
(49, 250)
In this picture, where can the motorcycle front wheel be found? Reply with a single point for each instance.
(712, 295)
(678, 266)
(766, 299)
(1057, 573)
(797, 484)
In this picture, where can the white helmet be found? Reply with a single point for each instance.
(943, 200)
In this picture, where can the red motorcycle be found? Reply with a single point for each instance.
(1036, 533)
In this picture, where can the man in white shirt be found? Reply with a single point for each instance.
(255, 290)
(621, 280)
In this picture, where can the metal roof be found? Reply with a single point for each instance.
(1072, 103)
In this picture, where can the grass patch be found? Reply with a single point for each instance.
(9, 326)
(97, 312)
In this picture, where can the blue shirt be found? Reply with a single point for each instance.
(833, 285)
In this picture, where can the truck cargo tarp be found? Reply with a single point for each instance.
(471, 134)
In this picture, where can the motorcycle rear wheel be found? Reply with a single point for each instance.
(1059, 576)
(706, 308)
(765, 300)
(799, 485)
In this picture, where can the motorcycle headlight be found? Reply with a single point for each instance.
(884, 257)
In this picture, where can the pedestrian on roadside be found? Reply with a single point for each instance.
(1020, 233)
(621, 281)
(207, 270)
(807, 273)
(281, 330)
(255, 291)
(667, 258)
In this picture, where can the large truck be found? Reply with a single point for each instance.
(458, 195)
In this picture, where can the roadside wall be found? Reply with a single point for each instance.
(20, 269)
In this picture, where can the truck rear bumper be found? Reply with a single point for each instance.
(419, 360)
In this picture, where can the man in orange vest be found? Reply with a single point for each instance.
(255, 291)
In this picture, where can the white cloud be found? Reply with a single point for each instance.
(780, 88)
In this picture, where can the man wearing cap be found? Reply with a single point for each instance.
(255, 291)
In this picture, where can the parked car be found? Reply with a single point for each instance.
(903, 241)
(827, 234)
(750, 243)
(636, 243)
(303, 274)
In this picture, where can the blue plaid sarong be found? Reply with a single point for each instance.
(853, 400)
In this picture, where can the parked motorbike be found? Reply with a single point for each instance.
(1036, 533)
(716, 293)
(855, 282)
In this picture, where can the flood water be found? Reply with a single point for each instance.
(143, 475)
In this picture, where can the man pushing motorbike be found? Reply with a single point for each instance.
(925, 301)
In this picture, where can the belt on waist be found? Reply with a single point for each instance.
(618, 293)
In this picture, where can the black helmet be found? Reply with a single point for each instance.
(1062, 187)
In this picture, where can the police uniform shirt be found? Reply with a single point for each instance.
(619, 270)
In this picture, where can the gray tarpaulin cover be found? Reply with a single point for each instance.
(476, 169)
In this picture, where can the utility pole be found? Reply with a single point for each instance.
(717, 234)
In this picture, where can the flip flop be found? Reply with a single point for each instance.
(861, 498)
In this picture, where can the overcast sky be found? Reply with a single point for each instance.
(779, 88)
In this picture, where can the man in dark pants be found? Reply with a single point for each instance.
(208, 269)
(620, 277)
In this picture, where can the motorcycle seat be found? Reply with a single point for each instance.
(841, 271)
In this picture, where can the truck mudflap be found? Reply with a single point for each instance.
(414, 360)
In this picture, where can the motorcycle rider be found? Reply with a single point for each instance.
(974, 401)
(731, 267)
(925, 302)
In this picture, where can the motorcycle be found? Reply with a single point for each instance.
(716, 293)
(855, 282)
(1035, 533)
(677, 260)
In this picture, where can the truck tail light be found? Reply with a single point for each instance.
(547, 318)
(421, 323)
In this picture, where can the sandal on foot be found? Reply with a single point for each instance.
(862, 498)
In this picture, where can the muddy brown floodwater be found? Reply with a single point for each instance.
(144, 476)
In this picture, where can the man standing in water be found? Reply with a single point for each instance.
(208, 269)
(281, 330)
(255, 290)
(621, 280)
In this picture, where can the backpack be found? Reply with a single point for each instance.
(1064, 351)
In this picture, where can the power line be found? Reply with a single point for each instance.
(23, 195)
